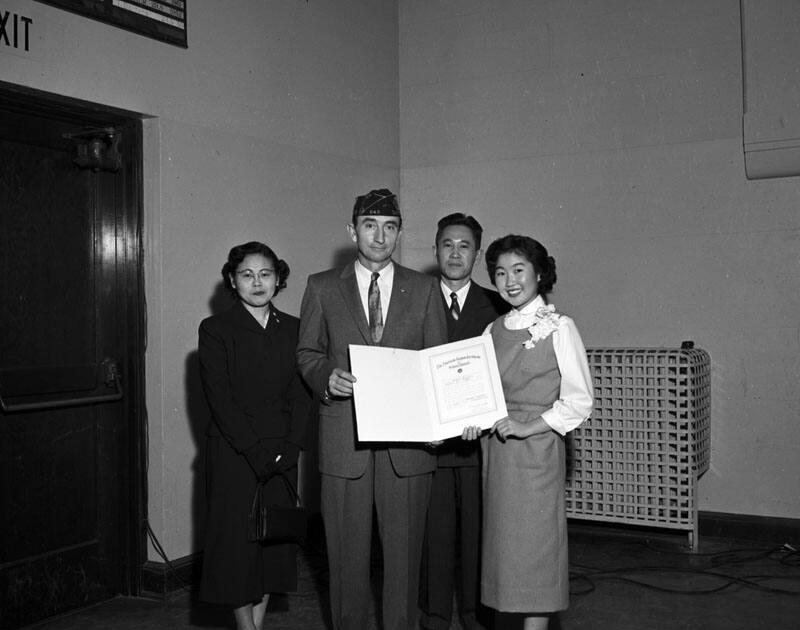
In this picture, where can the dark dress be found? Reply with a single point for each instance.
(258, 403)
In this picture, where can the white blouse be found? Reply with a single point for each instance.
(575, 400)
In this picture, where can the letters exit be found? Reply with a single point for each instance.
(14, 30)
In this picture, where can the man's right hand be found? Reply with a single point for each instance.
(340, 383)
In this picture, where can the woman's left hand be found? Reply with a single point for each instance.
(507, 428)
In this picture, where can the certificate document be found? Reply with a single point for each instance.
(426, 395)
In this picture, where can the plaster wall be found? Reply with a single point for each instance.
(612, 132)
(276, 116)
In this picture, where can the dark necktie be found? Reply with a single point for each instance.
(374, 307)
(454, 310)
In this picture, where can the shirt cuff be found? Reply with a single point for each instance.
(553, 421)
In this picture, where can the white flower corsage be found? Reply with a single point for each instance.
(546, 322)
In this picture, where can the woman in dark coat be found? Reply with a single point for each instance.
(259, 408)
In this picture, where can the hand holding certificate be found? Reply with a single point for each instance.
(426, 395)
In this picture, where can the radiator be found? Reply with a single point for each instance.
(637, 460)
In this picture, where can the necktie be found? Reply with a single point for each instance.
(455, 312)
(374, 307)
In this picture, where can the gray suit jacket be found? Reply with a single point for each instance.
(332, 317)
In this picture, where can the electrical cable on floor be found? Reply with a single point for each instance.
(785, 555)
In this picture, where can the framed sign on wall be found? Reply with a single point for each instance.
(164, 20)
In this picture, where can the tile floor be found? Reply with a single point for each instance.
(621, 580)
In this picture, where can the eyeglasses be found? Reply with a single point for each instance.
(247, 275)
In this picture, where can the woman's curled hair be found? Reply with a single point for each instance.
(240, 252)
(543, 264)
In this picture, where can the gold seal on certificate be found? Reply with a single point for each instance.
(426, 395)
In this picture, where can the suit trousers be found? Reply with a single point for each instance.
(453, 531)
(400, 504)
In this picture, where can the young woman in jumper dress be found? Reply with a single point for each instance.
(548, 392)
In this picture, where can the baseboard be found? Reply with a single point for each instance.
(762, 529)
(159, 579)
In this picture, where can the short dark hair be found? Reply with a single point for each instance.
(239, 252)
(543, 264)
(459, 218)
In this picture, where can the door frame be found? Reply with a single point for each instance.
(131, 309)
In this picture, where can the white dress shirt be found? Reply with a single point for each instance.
(461, 294)
(385, 283)
(575, 399)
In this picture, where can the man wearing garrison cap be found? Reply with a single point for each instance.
(373, 301)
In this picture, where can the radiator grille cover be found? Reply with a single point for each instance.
(638, 458)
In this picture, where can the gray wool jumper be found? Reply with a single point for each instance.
(524, 558)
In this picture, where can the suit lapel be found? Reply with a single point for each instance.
(472, 310)
(472, 303)
(398, 303)
(240, 316)
(349, 289)
(474, 300)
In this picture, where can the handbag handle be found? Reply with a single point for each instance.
(292, 491)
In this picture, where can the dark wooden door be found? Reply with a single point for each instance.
(70, 364)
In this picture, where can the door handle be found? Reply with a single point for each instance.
(110, 378)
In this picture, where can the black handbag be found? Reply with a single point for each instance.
(270, 523)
